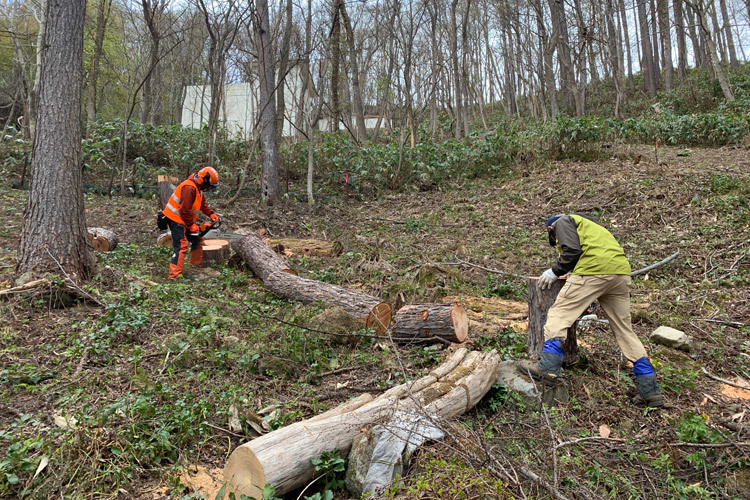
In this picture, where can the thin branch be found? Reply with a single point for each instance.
(724, 381)
(654, 266)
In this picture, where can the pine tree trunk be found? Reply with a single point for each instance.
(540, 302)
(269, 154)
(54, 230)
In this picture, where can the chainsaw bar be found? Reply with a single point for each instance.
(213, 234)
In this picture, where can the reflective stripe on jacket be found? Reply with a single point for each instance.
(172, 210)
(587, 248)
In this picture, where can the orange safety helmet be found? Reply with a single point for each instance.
(206, 178)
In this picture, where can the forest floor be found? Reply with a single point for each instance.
(134, 398)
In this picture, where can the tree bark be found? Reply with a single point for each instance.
(679, 22)
(647, 54)
(357, 103)
(665, 36)
(101, 23)
(103, 240)
(165, 186)
(700, 11)
(268, 145)
(283, 68)
(733, 62)
(423, 321)
(260, 257)
(540, 302)
(54, 230)
(458, 132)
(282, 457)
(567, 76)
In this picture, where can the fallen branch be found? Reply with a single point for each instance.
(734, 324)
(31, 285)
(654, 266)
(728, 382)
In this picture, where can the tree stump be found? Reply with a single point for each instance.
(215, 252)
(164, 239)
(165, 186)
(103, 240)
(311, 248)
(424, 321)
(539, 303)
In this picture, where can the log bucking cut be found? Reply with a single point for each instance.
(424, 321)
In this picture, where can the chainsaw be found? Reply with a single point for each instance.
(210, 230)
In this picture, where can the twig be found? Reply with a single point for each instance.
(735, 324)
(590, 438)
(225, 430)
(739, 386)
(67, 276)
(654, 266)
(338, 370)
(709, 445)
(461, 262)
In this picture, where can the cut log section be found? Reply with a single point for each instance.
(423, 321)
(165, 186)
(366, 309)
(261, 259)
(164, 239)
(103, 240)
(215, 252)
(310, 248)
(282, 457)
(539, 303)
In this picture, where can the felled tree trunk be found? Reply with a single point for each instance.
(215, 252)
(539, 303)
(312, 248)
(261, 259)
(366, 309)
(424, 321)
(165, 186)
(282, 457)
(103, 240)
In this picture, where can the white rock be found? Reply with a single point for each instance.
(671, 337)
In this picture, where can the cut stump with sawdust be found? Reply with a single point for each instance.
(215, 252)
(282, 457)
(540, 302)
(307, 247)
(164, 239)
(424, 321)
(103, 240)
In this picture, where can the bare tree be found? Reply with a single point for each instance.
(102, 15)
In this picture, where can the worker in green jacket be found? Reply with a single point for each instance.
(599, 271)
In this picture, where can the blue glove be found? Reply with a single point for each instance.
(547, 278)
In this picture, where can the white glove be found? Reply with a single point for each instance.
(547, 278)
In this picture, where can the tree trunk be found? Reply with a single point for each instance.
(335, 42)
(261, 259)
(283, 457)
(679, 22)
(540, 302)
(733, 62)
(458, 132)
(101, 23)
(567, 76)
(711, 50)
(623, 24)
(647, 54)
(283, 68)
(54, 229)
(424, 321)
(270, 170)
(103, 240)
(665, 36)
(357, 104)
(165, 186)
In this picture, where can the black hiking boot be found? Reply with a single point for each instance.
(547, 369)
(649, 393)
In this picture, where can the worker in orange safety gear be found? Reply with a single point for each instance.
(181, 213)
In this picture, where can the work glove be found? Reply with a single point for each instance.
(194, 230)
(216, 220)
(547, 278)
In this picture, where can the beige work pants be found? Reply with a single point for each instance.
(613, 293)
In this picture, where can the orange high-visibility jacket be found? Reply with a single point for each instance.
(179, 207)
